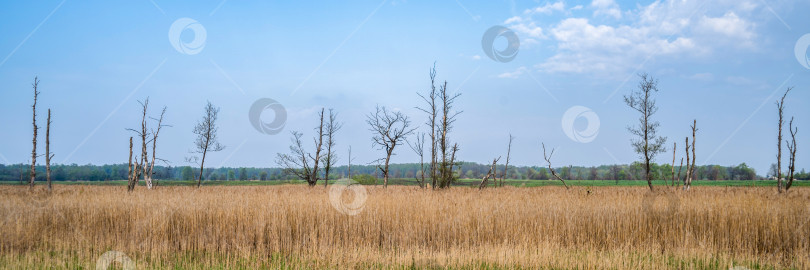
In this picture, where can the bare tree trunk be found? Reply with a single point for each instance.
(686, 180)
(34, 140)
(780, 105)
(155, 133)
(385, 169)
(485, 180)
(649, 144)
(792, 155)
(446, 123)
(694, 158)
(48, 154)
(451, 177)
(350, 161)
(548, 160)
(202, 166)
(674, 147)
(129, 172)
(206, 131)
(331, 158)
(319, 143)
(389, 130)
(430, 99)
(144, 154)
(508, 153)
(419, 148)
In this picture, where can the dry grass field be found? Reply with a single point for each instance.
(400, 227)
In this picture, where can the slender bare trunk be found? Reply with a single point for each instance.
(48, 155)
(508, 153)
(780, 105)
(694, 158)
(674, 147)
(129, 172)
(791, 145)
(314, 176)
(490, 173)
(34, 140)
(202, 166)
(686, 180)
(387, 160)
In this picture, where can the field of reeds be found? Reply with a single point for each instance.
(404, 227)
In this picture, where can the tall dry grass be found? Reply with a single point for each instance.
(405, 227)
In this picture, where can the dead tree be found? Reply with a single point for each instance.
(448, 118)
(674, 148)
(791, 146)
(548, 160)
(390, 129)
(318, 148)
(207, 140)
(490, 174)
(451, 177)
(419, 148)
(299, 162)
(648, 144)
(48, 154)
(686, 180)
(780, 105)
(690, 168)
(143, 134)
(133, 172)
(34, 140)
(508, 153)
(331, 158)
(149, 172)
(694, 158)
(148, 136)
(432, 111)
(350, 161)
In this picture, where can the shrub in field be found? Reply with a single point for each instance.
(365, 179)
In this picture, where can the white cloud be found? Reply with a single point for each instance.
(702, 77)
(606, 7)
(514, 74)
(548, 8)
(665, 28)
(527, 29)
(731, 26)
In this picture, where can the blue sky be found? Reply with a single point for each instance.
(723, 63)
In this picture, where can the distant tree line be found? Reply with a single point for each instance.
(635, 171)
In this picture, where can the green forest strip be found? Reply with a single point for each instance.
(465, 170)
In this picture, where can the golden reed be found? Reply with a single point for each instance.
(295, 226)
